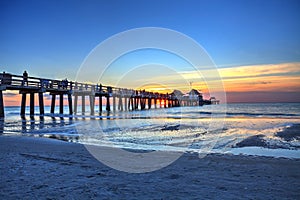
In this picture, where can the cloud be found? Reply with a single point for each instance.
(272, 77)
(10, 94)
(261, 70)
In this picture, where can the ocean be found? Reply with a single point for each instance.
(250, 128)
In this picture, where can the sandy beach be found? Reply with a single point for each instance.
(41, 168)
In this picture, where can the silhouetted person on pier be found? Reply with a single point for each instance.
(3, 78)
(25, 78)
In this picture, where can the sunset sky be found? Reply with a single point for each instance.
(254, 44)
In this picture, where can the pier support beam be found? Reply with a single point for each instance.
(70, 104)
(143, 103)
(100, 104)
(149, 103)
(126, 104)
(92, 104)
(136, 103)
(1, 105)
(41, 103)
(134, 107)
(31, 104)
(169, 103)
(23, 104)
(130, 102)
(83, 104)
(53, 103)
(120, 104)
(107, 103)
(61, 104)
(75, 103)
(114, 103)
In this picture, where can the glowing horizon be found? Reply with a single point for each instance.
(273, 79)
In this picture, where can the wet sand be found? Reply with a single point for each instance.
(40, 168)
(291, 133)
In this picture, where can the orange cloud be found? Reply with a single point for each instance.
(279, 77)
(273, 77)
(260, 70)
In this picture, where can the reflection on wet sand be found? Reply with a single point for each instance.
(39, 127)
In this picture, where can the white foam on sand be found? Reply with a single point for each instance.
(260, 151)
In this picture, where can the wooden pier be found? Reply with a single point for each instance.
(123, 99)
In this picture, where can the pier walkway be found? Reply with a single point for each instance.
(122, 98)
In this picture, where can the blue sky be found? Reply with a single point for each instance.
(52, 38)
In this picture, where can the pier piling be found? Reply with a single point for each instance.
(53, 103)
(61, 104)
(92, 104)
(100, 104)
(107, 103)
(75, 103)
(70, 104)
(41, 103)
(126, 104)
(23, 104)
(114, 103)
(83, 104)
(1, 105)
(31, 104)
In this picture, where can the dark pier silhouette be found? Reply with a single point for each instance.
(122, 98)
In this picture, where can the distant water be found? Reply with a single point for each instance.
(177, 129)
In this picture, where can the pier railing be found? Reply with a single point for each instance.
(17, 82)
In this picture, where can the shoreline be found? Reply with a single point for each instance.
(47, 168)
